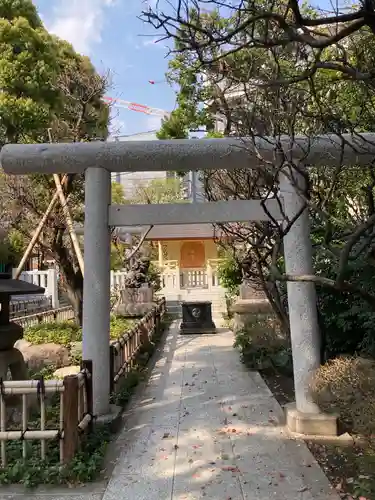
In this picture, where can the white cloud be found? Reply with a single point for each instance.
(80, 22)
(150, 3)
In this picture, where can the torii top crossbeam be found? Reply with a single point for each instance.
(98, 159)
(184, 154)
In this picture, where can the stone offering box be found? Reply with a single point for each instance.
(197, 318)
(11, 332)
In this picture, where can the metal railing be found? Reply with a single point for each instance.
(26, 307)
(62, 314)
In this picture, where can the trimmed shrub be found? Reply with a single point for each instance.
(120, 325)
(346, 386)
(262, 345)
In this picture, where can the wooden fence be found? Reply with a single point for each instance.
(124, 350)
(62, 314)
(75, 412)
(74, 407)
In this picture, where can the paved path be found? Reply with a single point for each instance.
(205, 428)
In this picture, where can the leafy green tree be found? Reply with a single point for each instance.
(213, 31)
(230, 274)
(279, 93)
(48, 91)
(28, 69)
(159, 191)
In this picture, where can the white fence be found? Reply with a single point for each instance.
(117, 279)
(47, 279)
(172, 279)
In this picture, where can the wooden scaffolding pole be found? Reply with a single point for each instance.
(38, 230)
(59, 195)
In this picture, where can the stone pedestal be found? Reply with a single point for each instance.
(313, 424)
(11, 359)
(140, 295)
(251, 291)
(245, 309)
(135, 301)
(197, 318)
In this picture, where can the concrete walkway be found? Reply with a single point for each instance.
(205, 428)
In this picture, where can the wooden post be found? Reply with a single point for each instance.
(154, 324)
(87, 365)
(157, 320)
(52, 288)
(69, 221)
(70, 417)
(143, 327)
(160, 255)
(37, 232)
(112, 373)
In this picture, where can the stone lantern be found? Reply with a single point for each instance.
(10, 357)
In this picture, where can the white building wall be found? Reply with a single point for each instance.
(130, 180)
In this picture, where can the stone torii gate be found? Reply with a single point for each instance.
(98, 159)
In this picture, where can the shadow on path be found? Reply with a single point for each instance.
(206, 428)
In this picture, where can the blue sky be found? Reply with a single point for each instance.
(109, 32)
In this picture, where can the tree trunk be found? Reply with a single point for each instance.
(72, 277)
(75, 297)
(73, 288)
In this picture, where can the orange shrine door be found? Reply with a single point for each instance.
(192, 255)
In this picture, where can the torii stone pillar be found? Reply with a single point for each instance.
(96, 285)
(304, 416)
(100, 158)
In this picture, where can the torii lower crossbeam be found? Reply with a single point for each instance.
(98, 159)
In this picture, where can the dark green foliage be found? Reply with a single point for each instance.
(346, 319)
(230, 275)
(10, 9)
(84, 467)
(263, 346)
